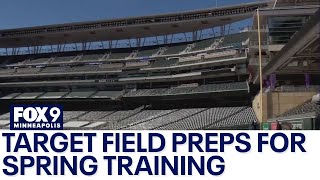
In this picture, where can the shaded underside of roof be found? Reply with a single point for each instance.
(307, 38)
(135, 27)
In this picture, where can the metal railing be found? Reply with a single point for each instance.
(300, 88)
(125, 43)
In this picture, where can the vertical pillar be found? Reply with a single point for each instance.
(102, 45)
(115, 46)
(200, 35)
(222, 29)
(58, 47)
(144, 40)
(84, 46)
(166, 39)
(269, 82)
(138, 42)
(194, 35)
(129, 43)
(307, 80)
(185, 36)
(213, 32)
(171, 40)
(273, 81)
(110, 44)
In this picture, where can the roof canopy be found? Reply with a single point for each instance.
(127, 28)
(303, 46)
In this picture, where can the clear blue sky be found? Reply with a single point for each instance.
(25, 13)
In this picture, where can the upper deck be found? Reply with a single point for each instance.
(127, 28)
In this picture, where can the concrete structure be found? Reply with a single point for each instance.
(277, 103)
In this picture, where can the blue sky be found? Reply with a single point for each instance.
(25, 13)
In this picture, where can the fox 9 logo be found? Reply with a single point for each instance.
(36, 117)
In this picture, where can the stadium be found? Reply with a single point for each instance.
(192, 70)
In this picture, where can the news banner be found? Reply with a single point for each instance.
(36, 147)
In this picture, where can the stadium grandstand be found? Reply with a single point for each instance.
(185, 70)
(289, 44)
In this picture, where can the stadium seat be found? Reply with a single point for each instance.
(241, 119)
(57, 69)
(84, 68)
(207, 118)
(235, 40)
(27, 70)
(69, 115)
(221, 87)
(38, 61)
(136, 64)
(175, 49)
(53, 95)
(119, 55)
(5, 116)
(79, 94)
(7, 71)
(111, 66)
(165, 63)
(10, 96)
(163, 120)
(142, 116)
(184, 89)
(63, 59)
(147, 53)
(108, 94)
(29, 95)
(92, 57)
(94, 115)
(203, 44)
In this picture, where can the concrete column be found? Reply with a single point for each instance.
(273, 81)
(307, 80)
(268, 84)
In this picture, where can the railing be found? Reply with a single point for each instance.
(256, 43)
(127, 43)
(301, 88)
